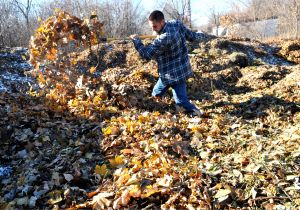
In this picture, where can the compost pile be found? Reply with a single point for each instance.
(88, 134)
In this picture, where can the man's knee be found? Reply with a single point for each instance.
(159, 91)
(155, 93)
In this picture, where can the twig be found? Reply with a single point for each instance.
(268, 198)
(150, 206)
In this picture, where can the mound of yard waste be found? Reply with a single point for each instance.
(88, 134)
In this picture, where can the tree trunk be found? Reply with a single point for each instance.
(296, 20)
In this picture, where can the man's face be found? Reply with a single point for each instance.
(156, 25)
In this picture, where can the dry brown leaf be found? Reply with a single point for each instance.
(101, 201)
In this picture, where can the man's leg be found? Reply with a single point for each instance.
(159, 89)
(180, 97)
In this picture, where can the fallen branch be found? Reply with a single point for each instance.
(268, 198)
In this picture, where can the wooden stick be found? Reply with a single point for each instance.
(127, 38)
(269, 197)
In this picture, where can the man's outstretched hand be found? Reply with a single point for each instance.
(134, 36)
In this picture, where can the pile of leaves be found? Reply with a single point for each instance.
(54, 52)
(291, 51)
(99, 140)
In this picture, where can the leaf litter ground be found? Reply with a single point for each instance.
(103, 141)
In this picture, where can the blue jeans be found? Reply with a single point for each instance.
(179, 94)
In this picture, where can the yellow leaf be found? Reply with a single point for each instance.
(157, 113)
(131, 126)
(106, 131)
(86, 21)
(135, 191)
(40, 30)
(41, 78)
(143, 119)
(57, 10)
(117, 161)
(73, 103)
(137, 163)
(153, 144)
(55, 197)
(124, 177)
(92, 69)
(261, 177)
(101, 170)
(218, 186)
(222, 193)
(148, 191)
(133, 180)
(35, 52)
(73, 62)
(211, 145)
(39, 19)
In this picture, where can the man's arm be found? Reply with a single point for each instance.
(157, 47)
(195, 36)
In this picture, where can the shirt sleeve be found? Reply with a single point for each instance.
(194, 36)
(156, 48)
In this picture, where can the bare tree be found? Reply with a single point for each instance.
(24, 8)
(284, 15)
(288, 14)
(13, 30)
(4, 24)
(294, 11)
(177, 9)
(214, 20)
(122, 18)
(18, 18)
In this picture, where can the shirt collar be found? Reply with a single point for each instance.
(163, 29)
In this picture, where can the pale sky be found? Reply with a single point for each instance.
(201, 9)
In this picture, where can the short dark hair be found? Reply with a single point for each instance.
(156, 15)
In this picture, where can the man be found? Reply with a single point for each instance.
(170, 51)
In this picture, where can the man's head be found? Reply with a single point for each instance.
(156, 20)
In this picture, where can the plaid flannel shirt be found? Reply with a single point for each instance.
(169, 49)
